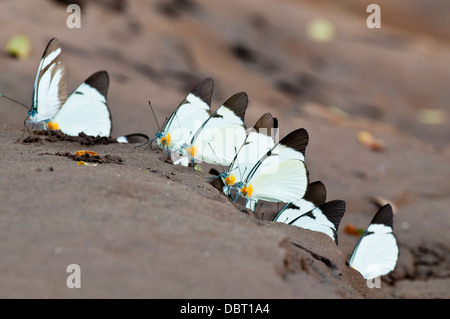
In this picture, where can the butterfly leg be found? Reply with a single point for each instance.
(236, 196)
(148, 144)
(26, 130)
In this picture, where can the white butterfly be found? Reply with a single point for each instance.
(280, 175)
(187, 118)
(258, 142)
(49, 91)
(219, 136)
(325, 218)
(376, 253)
(314, 197)
(84, 111)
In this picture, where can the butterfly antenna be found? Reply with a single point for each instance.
(8, 98)
(153, 112)
(242, 174)
(239, 167)
(217, 158)
(149, 143)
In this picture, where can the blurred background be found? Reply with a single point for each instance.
(375, 102)
(287, 55)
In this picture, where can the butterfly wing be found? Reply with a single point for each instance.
(50, 91)
(86, 110)
(293, 145)
(219, 138)
(325, 218)
(279, 181)
(376, 253)
(314, 197)
(257, 143)
(281, 174)
(187, 118)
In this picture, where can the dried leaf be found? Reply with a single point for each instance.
(18, 46)
(350, 229)
(381, 201)
(82, 163)
(432, 116)
(320, 30)
(338, 111)
(367, 139)
(81, 153)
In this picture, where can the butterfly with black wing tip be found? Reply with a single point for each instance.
(314, 197)
(325, 218)
(187, 118)
(85, 111)
(219, 136)
(312, 212)
(376, 253)
(258, 142)
(280, 175)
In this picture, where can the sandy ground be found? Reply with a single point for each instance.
(146, 229)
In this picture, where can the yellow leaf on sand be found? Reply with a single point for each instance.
(432, 116)
(81, 153)
(18, 46)
(367, 139)
(320, 30)
(82, 163)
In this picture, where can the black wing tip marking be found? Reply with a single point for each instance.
(99, 81)
(266, 124)
(52, 45)
(265, 121)
(298, 140)
(204, 90)
(238, 104)
(334, 210)
(316, 193)
(384, 216)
